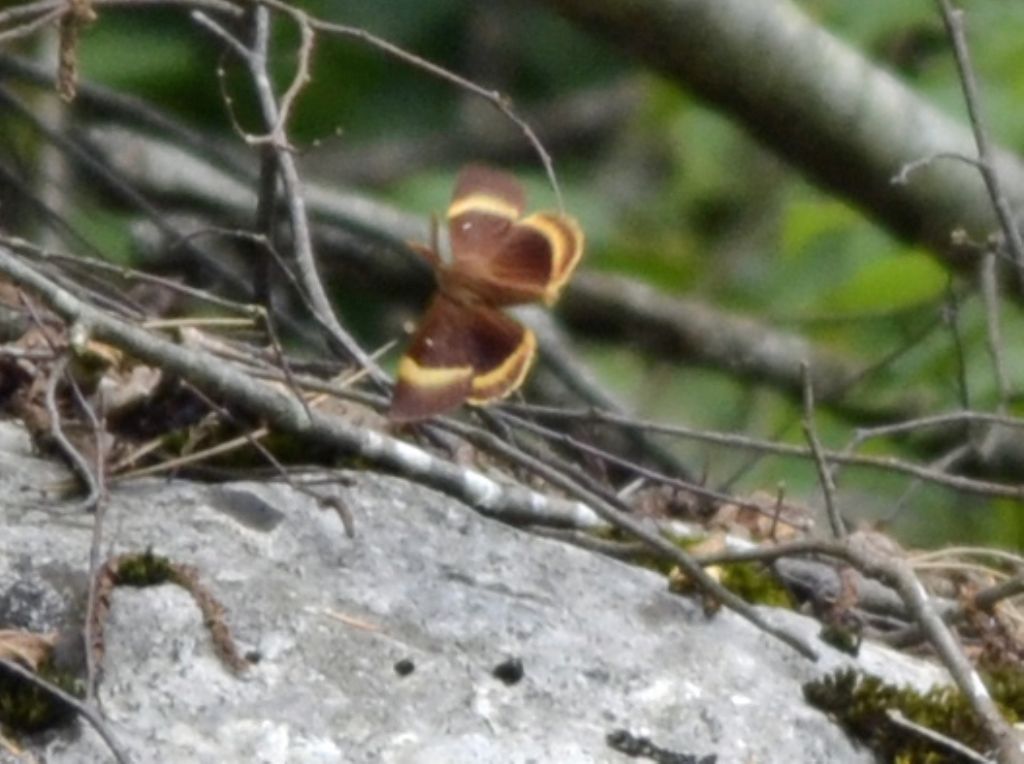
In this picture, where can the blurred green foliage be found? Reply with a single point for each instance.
(676, 196)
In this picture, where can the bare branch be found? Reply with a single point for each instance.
(220, 379)
(898, 573)
(652, 539)
(886, 463)
(499, 101)
(936, 420)
(942, 741)
(273, 116)
(867, 124)
(828, 485)
(81, 467)
(990, 294)
(954, 21)
(286, 414)
(903, 176)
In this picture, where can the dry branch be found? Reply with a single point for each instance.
(275, 116)
(954, 20)
(285, 413)
(931, 474)
(688, 330)
(878, 559)
(842, 121)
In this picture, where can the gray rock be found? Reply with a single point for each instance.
(603, 645)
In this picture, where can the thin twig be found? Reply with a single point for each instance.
(954, 21)
(495, 98)
(943, 741)
(79, 464)
(951, 319)
(994, 335)
(86, 712)
(828, 485)
(885, 463)
(305, 259)
(282, 360)
(628, 551)
(639, 530)
(903, 176)
(300, 79)
(898, 574)
(99, 508)
(936, 420)
(645, 472)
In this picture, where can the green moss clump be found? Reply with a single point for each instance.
(860, 701)
(26, 708)
(1006, 683)
(845, 638)
(146, 569)
(756, 584)
(752, 581)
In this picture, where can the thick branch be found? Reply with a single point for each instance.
(680, 328)
(286, 413)
(844, 122)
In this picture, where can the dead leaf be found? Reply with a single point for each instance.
(28, 648)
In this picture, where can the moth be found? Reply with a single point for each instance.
(466, 348)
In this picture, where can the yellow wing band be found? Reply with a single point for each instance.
(508, 375)
(566, 239)
(433, 378)
(491, 205)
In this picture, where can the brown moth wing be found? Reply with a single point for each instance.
(565, 237)
(485, 204)
(434, 375)
(531, 263)
(480, 186)
(505, 351)
(499, 258)
(460, 353)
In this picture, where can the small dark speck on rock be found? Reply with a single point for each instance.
(254, 656)
(404, 667)
(509, 671)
